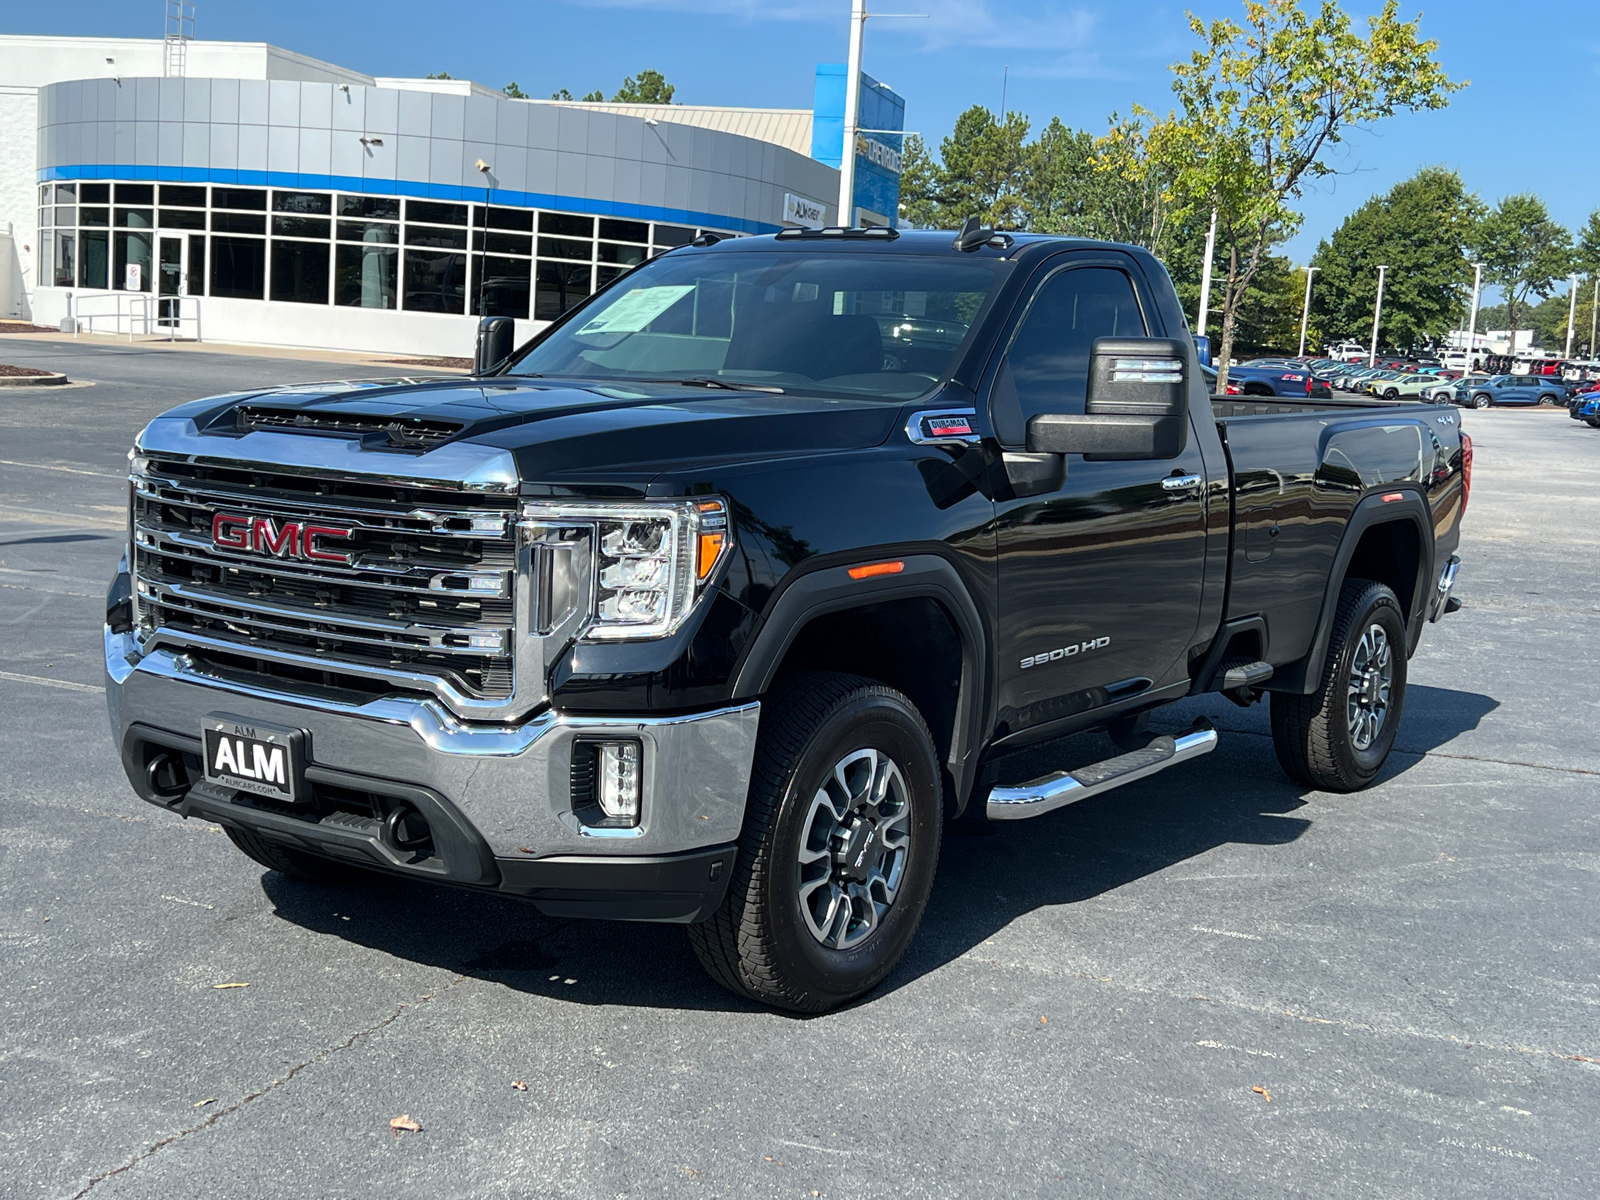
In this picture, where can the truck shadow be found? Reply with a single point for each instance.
(987, 879)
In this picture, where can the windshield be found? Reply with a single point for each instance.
(869, 324)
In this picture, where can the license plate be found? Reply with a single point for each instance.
(266, 760)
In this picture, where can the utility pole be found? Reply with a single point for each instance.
(852, 109)
(1572, 312)
(1377, 312)
(1472, 321)
(1305, 312)
(1205, 276)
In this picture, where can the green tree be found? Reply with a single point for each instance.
(594, 97)
(561, 94)
(1420, 229)
(649, 87)
(511, 89)
(983, 171)
(1260, 107)
(920, 180)
(439, 75)
(1523, 252)
(1134, 201)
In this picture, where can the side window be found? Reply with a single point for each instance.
(1046, 368)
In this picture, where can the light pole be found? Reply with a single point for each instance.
(852, 109)
(1305, 312)
(1205, 277)
(1472, 321)
(1377, 311)
(1572, 313)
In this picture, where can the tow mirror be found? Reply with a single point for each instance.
(1137, 405)
(497, 338)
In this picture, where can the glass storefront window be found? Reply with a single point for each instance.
(236, 222)
(94, 216)
(238, 267)
(561, 286)
(318, 204)
(300, 272)
(66, 193)
(629, 256)
(250, 199)
(443, 239)
(502, 243)
(135, 218)
(500, 286)
(180, 218)
(93, 255)
(435, 282)
(434, 213)
(520, 219)
(179, 196)
(302, 227)
(66, 216)
(377, 208)
(673, 235)
(624, 231)
(566, 224)
(197, 265)
(550, 247)
(136, 193)
(64, 268)
(131, 249)
(94, 193)
(369, 231)
(607, 275)
(364, 275)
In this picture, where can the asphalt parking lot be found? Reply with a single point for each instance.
(1209, 983)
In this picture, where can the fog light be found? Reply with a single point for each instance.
(618, 784)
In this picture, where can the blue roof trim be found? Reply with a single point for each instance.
(406, 187)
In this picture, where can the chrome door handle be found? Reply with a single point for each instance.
(1181, 483)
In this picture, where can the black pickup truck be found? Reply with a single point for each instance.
(715, 601)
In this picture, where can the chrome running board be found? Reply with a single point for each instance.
(1065, 787)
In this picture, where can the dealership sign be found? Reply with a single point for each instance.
(797, 210)
(877, 153)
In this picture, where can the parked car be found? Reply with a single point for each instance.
(1587, 410)
(1398, 386)
(1283, 379)
(719, 621)
(1522, 390)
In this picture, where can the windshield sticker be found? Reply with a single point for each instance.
(637, 309)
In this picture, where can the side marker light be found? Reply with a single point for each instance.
(881, 568)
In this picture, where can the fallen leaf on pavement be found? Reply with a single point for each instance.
(404, 1121)
(203, 1103)
(519, 1085)
(1261, 1091)
(217, 987)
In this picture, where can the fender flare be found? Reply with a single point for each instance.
(1371, 512)
(830, 589)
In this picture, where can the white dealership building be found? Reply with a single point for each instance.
(239, 192)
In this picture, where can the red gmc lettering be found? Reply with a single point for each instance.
(230, 532)
(309, 544)
(263, 535)
(269, 539)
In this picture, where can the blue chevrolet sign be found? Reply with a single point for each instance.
(877, 153)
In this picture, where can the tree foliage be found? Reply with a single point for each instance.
(1260, 107)
(1523, 252)
(1420, 229)
(511, 89)
(648, 87)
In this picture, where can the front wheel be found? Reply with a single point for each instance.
(840, 842)
(1480, 402)
(1338, 738)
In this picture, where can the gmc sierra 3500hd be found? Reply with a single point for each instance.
(715, 600)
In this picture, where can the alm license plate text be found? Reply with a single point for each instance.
(254, 758)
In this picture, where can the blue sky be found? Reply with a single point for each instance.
(1530, 120)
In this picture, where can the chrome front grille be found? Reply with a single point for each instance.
(427, 603)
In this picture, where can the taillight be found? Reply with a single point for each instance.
(1466, 470)
(1235, 390)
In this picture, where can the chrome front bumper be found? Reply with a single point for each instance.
(510, 784)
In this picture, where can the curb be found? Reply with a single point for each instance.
(51, 380)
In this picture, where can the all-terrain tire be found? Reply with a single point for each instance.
(758, 942)
(1312, 734)
(275, 856)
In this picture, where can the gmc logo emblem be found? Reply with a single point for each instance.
(292, 539)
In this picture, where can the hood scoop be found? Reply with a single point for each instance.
(400, 430)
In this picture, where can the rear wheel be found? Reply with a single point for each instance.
(840, 842)
(276, 856)
(1338, 738)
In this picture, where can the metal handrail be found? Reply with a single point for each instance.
(140, 311)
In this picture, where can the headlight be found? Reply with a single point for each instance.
(647, 563)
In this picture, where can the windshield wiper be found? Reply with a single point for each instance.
(709, 381)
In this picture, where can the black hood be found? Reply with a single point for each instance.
(558, 429)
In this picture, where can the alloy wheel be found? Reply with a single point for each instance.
(1371, 679)
(855, 843)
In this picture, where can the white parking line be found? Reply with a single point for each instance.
(55, 683)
